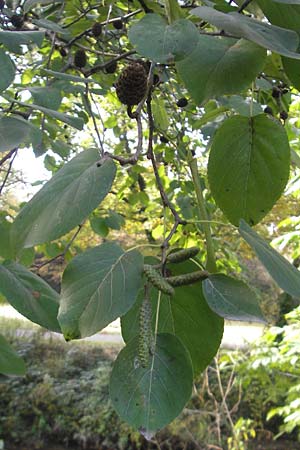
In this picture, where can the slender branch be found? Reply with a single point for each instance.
(62, 254)
(103, 66)
(91, 113)
(9, 155)
(210, 259)
(105, 23)
(8, 171)
(165, 200)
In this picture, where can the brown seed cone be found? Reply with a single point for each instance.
(80, 58)
(132, 84)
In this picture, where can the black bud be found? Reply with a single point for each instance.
(112, 67)
(268, 110)
(182, 102)
(63, 51)
(283, 115)
(17, 21)
(276, 92)
(80, 58)
(118, 24)
(163, 139)
(97, 29)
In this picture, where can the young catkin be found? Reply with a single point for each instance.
(157, 280)
(187, 278)
(182, 255)
(145, 332)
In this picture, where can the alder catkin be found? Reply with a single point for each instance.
(145, 332)
(157, 280)
(182, 255)
(187, 278)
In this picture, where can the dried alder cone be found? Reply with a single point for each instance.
(80, 58)
(132, 84)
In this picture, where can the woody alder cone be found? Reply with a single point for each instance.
(132, 84)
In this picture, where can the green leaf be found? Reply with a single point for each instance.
(231, 299)
(292, 70)
(75, 122)
(248, 166)
(244, 107)
(160, 42)
(160, 115)
(5, 246)
(114, 221)
(220, 66)
(279, 40)
(150, 398)
(66, 76)
(98, 286)
(47, 97)
(50, 25)
(29, 4)
(14, 39)
(7, 70)
(29, 295)
(186, 315)
(285, 274)
(99, 226)
(64, 201)
(283, 13)
(13, 132)
(10, 362)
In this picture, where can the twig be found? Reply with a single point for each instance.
(103, 66)
(165, 200)
(8, 171)
(88, 104)
(135, 157)
(62, 254)
(105, 23)
(6, 157)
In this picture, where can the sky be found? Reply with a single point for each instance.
(33, 170)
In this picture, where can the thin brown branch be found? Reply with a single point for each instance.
(62, 254)
(9, 155)
(104, 23)
(8, 171)
(103, 66)
(87, 94)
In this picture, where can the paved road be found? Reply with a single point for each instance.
(236, 334)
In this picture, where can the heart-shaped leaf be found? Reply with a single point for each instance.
(151, 397)
(248, 156)
(98, 286)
